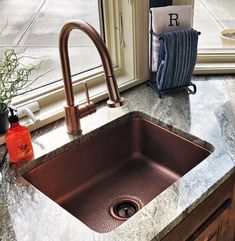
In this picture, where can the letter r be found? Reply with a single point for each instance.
(174, 17)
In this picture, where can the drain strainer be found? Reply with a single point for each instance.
(124, 208)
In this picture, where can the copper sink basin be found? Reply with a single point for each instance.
(130, 160)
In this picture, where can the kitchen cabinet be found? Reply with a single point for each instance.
(216, 227)
(213, 220)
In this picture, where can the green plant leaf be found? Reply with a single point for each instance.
(14, 76)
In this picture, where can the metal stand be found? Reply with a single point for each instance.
(187, 88)
(152, 83)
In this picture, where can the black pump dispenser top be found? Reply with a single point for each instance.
(13, 118)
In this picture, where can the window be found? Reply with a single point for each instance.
(34, 29)
(210, 18)
(125, 26)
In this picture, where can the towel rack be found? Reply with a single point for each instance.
(190, 87)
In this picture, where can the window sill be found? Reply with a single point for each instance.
(54, 111)
(214, 68)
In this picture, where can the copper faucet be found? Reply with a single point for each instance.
(73, 113)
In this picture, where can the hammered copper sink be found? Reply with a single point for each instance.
(134, 160)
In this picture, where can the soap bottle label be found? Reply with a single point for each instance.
(23, 147)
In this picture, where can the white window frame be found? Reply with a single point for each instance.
(126, 32)
(212, 61)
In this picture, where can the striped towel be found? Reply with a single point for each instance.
(177, 58)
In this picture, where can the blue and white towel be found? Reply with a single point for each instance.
(177, 58)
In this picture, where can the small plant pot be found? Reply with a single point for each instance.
(4, 123)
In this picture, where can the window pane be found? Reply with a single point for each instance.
(34, 27)
(211, 17)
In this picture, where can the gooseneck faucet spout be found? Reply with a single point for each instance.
(73, 113)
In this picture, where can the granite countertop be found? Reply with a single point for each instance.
(26, 214)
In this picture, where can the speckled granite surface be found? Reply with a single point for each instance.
(28, 215)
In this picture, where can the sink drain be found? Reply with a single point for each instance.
(124, 208)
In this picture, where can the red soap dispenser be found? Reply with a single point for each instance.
(18, 140)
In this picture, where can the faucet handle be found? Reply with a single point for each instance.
(87, 93)
(87, 108)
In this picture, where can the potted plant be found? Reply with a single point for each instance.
(14, 77)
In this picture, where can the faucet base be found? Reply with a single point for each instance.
(72, 119)
(118, 103)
